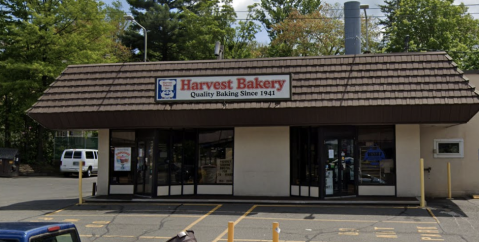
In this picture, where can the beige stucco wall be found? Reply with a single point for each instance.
(103, 160)
(407, 160)
(261, 161)
(464, 171)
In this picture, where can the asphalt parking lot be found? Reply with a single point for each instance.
(443, 220)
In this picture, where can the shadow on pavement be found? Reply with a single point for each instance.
(41, 205)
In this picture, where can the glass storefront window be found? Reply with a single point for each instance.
(182, 167)
(305, 165)
(215, 163)
(376, 155)
(121, 139)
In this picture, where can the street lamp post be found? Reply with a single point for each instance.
(364, 7)
(129, 17)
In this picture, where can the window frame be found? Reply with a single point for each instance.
(460, 154)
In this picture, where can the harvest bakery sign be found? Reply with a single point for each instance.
(223, 88)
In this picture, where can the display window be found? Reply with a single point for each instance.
(122, 146)
(377, 155)
(215, 163)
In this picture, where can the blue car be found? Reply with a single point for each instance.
(38, 232)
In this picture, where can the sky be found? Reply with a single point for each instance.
(241, 6)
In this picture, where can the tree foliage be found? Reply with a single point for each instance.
(272, 12)
(161, 19)
(213, 21)
(187, 30)
(39, 38)
(320, 33)
(434, 25)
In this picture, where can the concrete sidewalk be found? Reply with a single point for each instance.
(256, 200)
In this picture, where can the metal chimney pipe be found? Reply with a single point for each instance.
(352, 28)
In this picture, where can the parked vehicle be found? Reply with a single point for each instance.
(71, 158)
(38, 232)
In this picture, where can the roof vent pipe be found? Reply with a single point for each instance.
(352, 28)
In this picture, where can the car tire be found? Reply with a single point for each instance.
(87, 173)
(66, 174)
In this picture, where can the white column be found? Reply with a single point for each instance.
(261, 161)
(408, 152)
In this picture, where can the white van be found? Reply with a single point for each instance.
(71, 159)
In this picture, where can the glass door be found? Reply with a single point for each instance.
(144, 168)
(339, 165)
(140, 169)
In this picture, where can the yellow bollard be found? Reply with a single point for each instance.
(231, 231)
(80, 175)
(449, 189)
(423, 200)
(275, 232)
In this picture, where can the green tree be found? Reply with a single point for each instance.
(186, 30)
(39, 38)
(389, 11)
(271, 12)
(320, 32)
(161, 20)
(203, 25)
(115, 17)
(242, 44)
(435, 25)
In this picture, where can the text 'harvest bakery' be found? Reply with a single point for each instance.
(224, 87)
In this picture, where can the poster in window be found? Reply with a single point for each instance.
(122, 159)
(225, 167)
(225, 171)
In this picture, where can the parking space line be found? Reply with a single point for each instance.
(265, 240)
(202, 217)
(340, 220)
(237, 221)
(122, 236)
(94, 225)
(429, 233)
(316, 219)
(387, 233)
(154, 237)
(348, 231)
(433, 216)
(58, 211)
(101, 222)
(333, 206)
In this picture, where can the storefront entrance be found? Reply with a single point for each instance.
(323, 161)
(339, 162)
(144, 168)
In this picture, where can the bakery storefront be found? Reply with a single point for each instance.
(306, 126)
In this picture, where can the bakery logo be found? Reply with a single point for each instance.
(167, 88)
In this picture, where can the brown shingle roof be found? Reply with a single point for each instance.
(413, 81)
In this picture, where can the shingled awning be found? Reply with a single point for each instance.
(401, 88)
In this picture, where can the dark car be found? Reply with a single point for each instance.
(38, 232)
